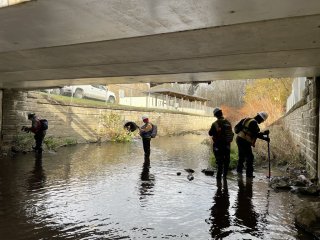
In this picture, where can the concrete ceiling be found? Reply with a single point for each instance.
(47, 43)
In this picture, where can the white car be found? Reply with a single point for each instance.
(98, 92)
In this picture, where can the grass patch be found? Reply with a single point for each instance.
(23, 142)
(94, 103)
(77, 101)
(52, 143)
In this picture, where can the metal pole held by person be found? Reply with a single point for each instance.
(269, 176)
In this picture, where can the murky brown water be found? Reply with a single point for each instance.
(102, 192)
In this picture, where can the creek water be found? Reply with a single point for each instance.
(103, 192)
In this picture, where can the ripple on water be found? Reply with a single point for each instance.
(103, 192)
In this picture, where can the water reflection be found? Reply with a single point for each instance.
(105, 192)
(245, 213)
(147, 182)
(37, 176)
(220, 211)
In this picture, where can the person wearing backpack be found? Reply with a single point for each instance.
(38, 127)
(222, 136)
(145, 133)
(248, 131)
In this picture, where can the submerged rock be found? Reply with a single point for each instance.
(280, 183)
(312, 190)
(208, 172)
(190, 177)
(189, 170)
(304, 180)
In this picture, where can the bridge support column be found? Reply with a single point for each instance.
(317, 83)
(302, 121)
(1, 117)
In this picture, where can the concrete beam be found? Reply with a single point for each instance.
(280, 40)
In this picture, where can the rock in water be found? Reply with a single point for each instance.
(190, 177)
(189, 170)
(208, 172)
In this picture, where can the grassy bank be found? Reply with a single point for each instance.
(95, 103)
(283, 152)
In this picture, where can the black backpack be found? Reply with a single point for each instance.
(44, 124)
(154, 131)
(226, 134)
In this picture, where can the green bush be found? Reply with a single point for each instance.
(113, 130)
(23, 142)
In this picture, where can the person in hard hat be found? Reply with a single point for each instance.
(37, 129)
(145, 133)
(248, 131)
(222, 136)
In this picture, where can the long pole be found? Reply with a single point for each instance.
(269, 160)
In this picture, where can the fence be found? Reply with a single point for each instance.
(138, 95)
(142, 98)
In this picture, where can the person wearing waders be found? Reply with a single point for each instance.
(222, 136)
(36, 128)
(248, 131)
(145, 133)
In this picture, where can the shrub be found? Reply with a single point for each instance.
(23, 142)
(113, 130)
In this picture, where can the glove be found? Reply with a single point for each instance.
(266, 132)
(267, 139)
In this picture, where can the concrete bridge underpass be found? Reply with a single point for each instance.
(47, 43)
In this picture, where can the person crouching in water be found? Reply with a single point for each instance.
(36, 128)
(248, 131)
(145, 133)
(222, 136)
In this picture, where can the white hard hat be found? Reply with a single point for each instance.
(263, 115)
(144, 117)
(215, 110)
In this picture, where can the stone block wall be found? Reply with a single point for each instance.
(82, 123)
(303, 123)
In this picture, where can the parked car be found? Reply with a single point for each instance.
(98, 92)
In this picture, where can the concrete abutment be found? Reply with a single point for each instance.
(302, 121)
(82, 123)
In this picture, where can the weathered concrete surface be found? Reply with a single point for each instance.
(73, 39)
(303, 123)
(47, 23)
